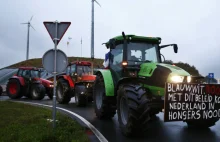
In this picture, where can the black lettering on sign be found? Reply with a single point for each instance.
(185, 101)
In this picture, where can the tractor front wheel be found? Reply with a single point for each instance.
(14, 89)
(37, 91)
(133, 111)
(63, 91)
(202, 124)
(50, 94)
(81, 98)
(105, 107)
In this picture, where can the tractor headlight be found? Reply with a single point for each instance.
(51, 85)
(189, 79)
(87, 86)
(177, 79)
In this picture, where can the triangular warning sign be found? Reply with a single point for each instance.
(61, 29)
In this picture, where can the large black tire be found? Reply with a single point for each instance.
(37, 91)
(50, 95)
(105, 107)
(81, 99)
(14, 89)
(132, 109)
(63, 91)
(1, 90)
(202, 124)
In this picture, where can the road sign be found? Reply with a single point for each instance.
(56, 30)
(61, 29)
(211, 75)
(48, 60)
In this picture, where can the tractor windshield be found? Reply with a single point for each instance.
(138, 53)
(35, 73)
(83, 70)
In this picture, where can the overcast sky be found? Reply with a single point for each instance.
(192, 24)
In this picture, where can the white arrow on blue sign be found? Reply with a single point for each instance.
(211, 75)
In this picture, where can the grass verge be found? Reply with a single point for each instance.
(26, 123)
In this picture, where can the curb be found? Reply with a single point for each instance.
(90, 128)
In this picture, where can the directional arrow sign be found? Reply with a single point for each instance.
(211, 75)
(61, 29)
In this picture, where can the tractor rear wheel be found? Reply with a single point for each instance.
(132, 109)
(37, 91)
(63, 91)
(202, 124)
(81, 98)
(14, 89)
(1, 90)
(105, 107)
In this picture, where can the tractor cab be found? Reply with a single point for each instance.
(79, 70)
(128, 53)
(28, 72)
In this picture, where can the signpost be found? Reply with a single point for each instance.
(185, 101)
(56, 31)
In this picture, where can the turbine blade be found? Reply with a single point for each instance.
(31, 18)
(24, 23)
(97, 3)
(32, 27)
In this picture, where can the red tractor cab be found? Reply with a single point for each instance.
(77, 81)
(28, 82)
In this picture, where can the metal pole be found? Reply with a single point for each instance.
(54, 75)
(92, 35)
(27, 54)
(81, 47)
(92, 32)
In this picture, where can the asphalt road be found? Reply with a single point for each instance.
(159, 131)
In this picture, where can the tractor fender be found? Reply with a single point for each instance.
(21, 79)
(68, 78)
(109, 84)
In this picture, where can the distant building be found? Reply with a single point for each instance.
(218, 80)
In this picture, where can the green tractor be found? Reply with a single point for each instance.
(134, 83)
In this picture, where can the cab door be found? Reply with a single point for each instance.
(73, 73)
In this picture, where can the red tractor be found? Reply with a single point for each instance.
(77, 81)
(28, 82)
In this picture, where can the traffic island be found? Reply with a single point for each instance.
(24, 122)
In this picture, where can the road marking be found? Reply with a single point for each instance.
(89, 125)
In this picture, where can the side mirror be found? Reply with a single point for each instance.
(175, 48)
(112, 43)
(163, 58)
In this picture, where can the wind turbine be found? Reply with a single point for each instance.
(92, 30)
(29, 25)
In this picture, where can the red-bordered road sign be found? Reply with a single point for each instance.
(61, 29)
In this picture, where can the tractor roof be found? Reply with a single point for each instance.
(119, 39)
(28, 68)
(83, 63)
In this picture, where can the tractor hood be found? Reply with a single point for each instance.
(155, 75)
(46, 83)
(88, 78)
(159, 73)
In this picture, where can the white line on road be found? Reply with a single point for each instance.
(94, 130)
